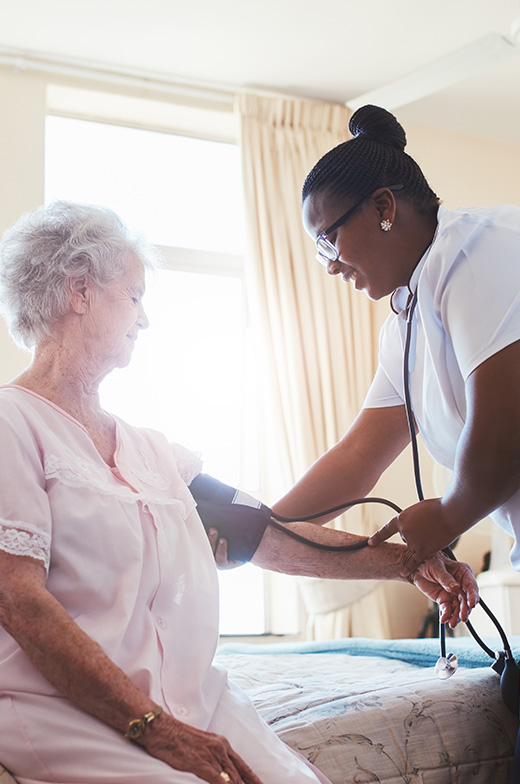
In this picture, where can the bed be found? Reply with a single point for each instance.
(373, 711)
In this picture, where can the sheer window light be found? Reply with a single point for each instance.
(188, 375)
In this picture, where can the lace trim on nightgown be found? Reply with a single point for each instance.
(19, 538)
(189, 464)
(78, 472)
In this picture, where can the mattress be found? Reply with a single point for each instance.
(374, 711)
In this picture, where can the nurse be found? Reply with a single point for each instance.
(378, 225)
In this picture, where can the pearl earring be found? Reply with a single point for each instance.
(386, 224)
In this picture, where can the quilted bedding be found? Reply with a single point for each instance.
(381, 718)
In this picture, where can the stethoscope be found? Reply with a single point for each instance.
(447, 663)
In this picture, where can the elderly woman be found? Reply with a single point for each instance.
(108, 588)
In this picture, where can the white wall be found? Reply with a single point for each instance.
(467, 170)
(22, 107)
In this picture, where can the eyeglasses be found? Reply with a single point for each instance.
(326, 251)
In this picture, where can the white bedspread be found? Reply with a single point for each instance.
(372, 719)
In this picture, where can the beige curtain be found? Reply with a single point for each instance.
(318, 346)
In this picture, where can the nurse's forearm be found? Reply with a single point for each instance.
(482, 482)
(487, 465)
(352, 467)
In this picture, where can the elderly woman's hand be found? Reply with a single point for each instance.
(204, 754)
(451, 584)
(220, 547)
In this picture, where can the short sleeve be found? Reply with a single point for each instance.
(189, 464)
(25, 517)
(479, 303)
(386, 388)
(382, 393)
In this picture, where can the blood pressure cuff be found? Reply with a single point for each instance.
(239, 518)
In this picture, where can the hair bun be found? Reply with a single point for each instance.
(378, 125)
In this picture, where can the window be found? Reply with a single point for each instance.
(189, 375)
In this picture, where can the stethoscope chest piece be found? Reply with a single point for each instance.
(446, 666)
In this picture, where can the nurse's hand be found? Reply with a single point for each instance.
(424, 527)
(451, 584)
(204, 754)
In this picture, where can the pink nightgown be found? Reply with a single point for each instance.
(128, 558)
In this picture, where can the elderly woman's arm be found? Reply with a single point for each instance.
(75, 665)
(350, 470)
(449, 583)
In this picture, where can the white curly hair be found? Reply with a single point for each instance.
(56, 242)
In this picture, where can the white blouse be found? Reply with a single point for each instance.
(468, 308)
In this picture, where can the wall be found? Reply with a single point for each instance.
(22, 102)
(461, 169)
(466, 170)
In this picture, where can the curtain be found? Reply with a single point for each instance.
(317, 350)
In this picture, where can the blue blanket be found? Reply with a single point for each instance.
(423, 653)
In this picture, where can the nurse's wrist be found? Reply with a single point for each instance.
(457, 517)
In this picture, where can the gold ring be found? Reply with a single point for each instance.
(225, 776)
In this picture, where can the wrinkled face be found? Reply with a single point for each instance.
(362, 247)
(115, 317)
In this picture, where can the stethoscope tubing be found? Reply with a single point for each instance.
(418, 485)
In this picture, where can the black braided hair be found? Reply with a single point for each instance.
(375, 157)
